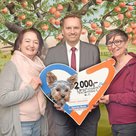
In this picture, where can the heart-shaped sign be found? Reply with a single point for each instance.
(90, 85)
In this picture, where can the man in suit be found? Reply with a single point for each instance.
(60, 124)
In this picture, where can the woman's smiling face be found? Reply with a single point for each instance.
(29, 45)
(117, 46)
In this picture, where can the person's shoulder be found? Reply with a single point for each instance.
(88, 45)
(132, 54)
(9, 64)
(9, 67)
(133, 60)
(56, 47)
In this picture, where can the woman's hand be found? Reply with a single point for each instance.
(58, 107)
(104, 99)
(35, 82)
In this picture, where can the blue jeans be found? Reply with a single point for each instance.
(31, 128)
(124, 129)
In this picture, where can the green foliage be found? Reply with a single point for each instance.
(104, 128)
(3, 59)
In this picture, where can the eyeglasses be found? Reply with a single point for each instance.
(116, 43)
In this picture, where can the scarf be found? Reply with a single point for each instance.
(27, 69)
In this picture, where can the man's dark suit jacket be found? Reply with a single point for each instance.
(89, 56)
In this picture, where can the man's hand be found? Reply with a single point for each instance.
(94, 106)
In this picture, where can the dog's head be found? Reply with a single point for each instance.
(60, 89)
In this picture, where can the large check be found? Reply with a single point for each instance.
(90, 85)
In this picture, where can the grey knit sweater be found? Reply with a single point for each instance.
(10, 98)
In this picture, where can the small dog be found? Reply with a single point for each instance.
(60, 89)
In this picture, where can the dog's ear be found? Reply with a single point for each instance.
(51, 78)
(72, 80)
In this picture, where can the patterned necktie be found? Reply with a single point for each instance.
(73, 58)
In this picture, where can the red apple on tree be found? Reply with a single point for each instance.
(59, 37)
(128, 14)
(94, 25)
(117, 9)
(133, 24)
(44, 27)
(24, 4)
(92, 39)
(98, 1)
(130, 8)
(122, 4)
(22, 17)
(4, 10)
(57, 14)
(52, 20)
(83, 31)
(52, 10)
(29, 23)
(120, 16)
(98, 31)
(60, 7)
(106, 24)
(57, 22)
(129, 29)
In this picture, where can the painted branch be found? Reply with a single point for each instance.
(14, 28)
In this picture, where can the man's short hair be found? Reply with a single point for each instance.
(70, 16)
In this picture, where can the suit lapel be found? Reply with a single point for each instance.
(82, 56)
(64, 55)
